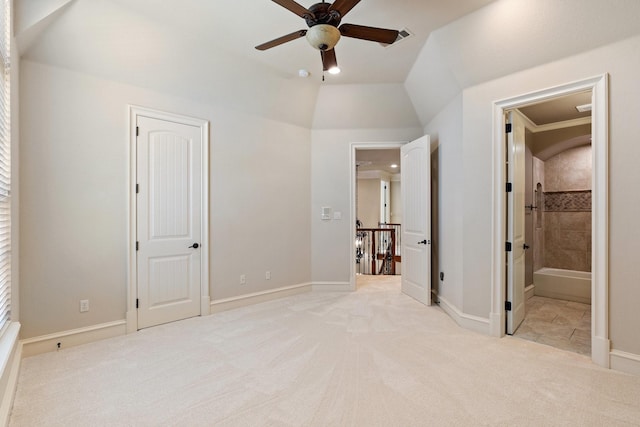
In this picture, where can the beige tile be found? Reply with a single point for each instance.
(558, 323)
(579, 306)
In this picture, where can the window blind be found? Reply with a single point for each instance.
(5, 166)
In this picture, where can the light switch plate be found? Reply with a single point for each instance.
(326, 213)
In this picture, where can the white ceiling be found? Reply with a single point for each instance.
(238, 26)
(203, 50)
(378, 160)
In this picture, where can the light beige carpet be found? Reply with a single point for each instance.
(370, 358)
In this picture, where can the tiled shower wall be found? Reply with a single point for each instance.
(567, 210)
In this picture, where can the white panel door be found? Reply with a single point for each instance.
(416, 225)
(516, 222)
(168, 214)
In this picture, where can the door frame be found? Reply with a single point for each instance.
(132, 267)
(600, 344)
(352, 197)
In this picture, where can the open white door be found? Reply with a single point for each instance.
(416, 225)
(515, 222)
(169, 235)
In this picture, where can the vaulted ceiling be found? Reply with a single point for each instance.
(204, 50)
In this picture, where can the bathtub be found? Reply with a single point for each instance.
(563, 284)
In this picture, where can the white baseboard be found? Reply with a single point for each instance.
(205, 305)
(10, 356)
(467, 321)
(600, 351)
(497, 323)
(72, 338)
(625, 362)
(255, 298)
(332, 287)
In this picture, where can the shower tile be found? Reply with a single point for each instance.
(573, 220)
(573, 240)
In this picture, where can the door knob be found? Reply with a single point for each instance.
(423, 242)
(195, 246)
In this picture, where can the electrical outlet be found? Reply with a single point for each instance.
(84, 305)
(267, 275)
(243, 279)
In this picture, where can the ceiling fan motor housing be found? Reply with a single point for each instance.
(322, 15)
(323, 33)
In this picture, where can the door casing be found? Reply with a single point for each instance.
(600, 344)
(205, 300)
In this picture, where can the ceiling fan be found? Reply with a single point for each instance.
(323, 20)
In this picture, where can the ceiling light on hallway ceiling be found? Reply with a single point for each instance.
(303, 73)
(394, 166)
(583, 108)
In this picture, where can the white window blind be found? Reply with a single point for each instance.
(5, 166)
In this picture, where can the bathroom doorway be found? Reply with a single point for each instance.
(557, 222)
(512, 284)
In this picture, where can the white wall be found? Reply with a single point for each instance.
(369, 202)
(446, 141)
(508, 36)
(344, 115)
(622, 61)
(331, 241)
(364, 106)
(111, 40)
(396, 200)
(73, 207)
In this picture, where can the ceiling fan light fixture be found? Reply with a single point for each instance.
(323, 36)
(334, 70)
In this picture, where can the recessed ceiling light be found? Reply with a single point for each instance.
(334, 70)
(394, 166)
(583, 108)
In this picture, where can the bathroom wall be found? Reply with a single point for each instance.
(567, 210)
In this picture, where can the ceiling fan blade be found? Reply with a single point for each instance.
(343, 6)
(296, 8)
(380, 35)
(281, 40)
(328, 59)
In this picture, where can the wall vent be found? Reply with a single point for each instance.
(403, 34)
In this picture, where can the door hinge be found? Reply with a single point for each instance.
(137, 131)
(507, 305)
(509, 187)
(137, 246)
(137, 303)
(137, 188)
(507, 246)
(508, 128)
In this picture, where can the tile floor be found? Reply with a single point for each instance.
(558, 323)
